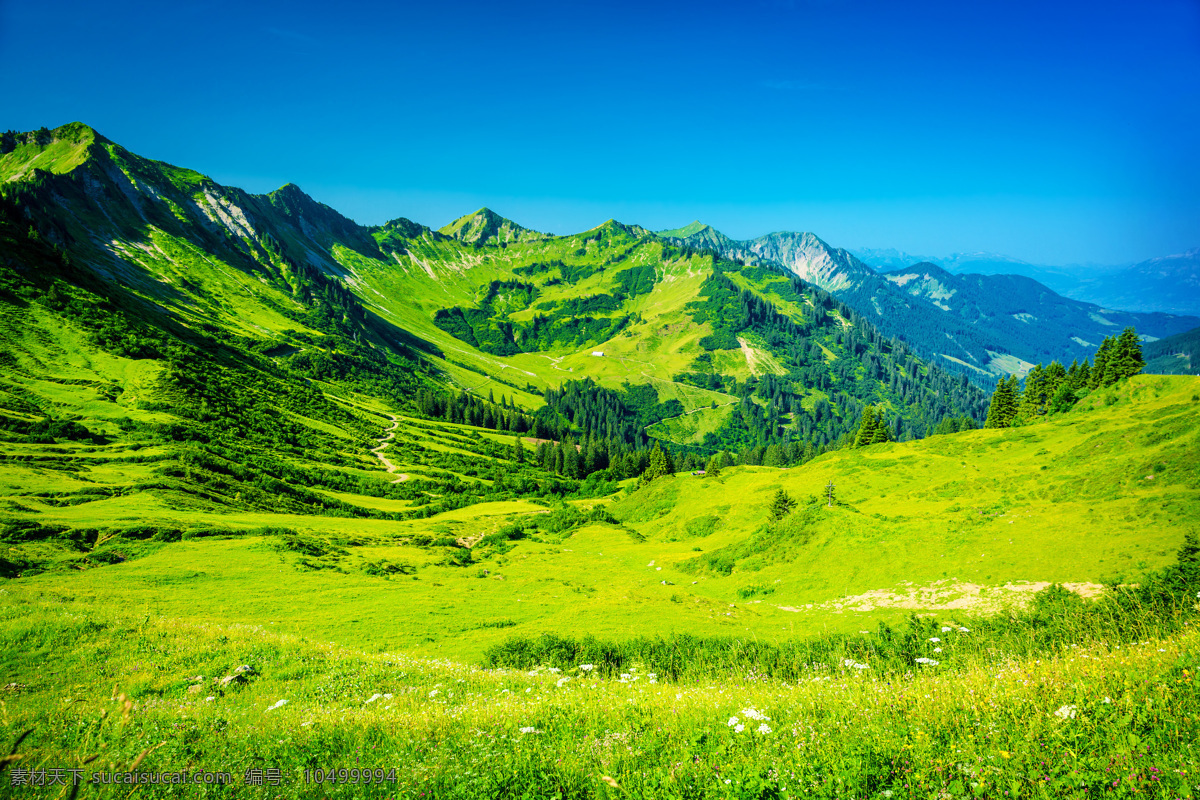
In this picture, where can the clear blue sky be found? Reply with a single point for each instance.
(1054, 132)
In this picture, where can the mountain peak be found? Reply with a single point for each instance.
(485, 226)
(691, 229)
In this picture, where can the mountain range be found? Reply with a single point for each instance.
(1169, 284)
(985, 324)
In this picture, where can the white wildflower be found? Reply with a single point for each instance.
(937, 649)
(732, 721)
(587, 667)
(849, 662)
(625, 677)
(753, 713)
(434, 692)
(529, 730)
(280, 704)
(934, 639)
(387, 696)
(1066, 712)
(561, 681)
(740, 728)
(928, 661)
(861, 666)
(374, 697)
(554, 670)
(946, 629)
(764, 729)
(209, 699)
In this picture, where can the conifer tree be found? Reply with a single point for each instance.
(518, 452)
(866, 428)
(713, 467)
(1100, 365)
(781, 505)
(1126, 359)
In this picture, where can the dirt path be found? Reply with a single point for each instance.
(383, 443)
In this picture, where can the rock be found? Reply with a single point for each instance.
(194, 688)
(231, 680)
(246, 668)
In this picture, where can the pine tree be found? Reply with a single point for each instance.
(657, 467)
(1100, 364)
(998, 408)
(1126, 359)
(518, 451)
(781, 505)
(866, 428)
(881, 433)
(713, 468)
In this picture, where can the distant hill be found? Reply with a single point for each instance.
(1175, 355)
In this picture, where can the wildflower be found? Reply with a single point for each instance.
(946, 629)
(1066, 712)
(934, 639)
(753, 713)
(937, 649)
(554, 670)
(964, 630)
(280, 704)
(387, 696)
(1005, 754)
(561, 681)
(374, 697)
(764, 729)
(928, 661)
(849, 662)
(529, 730)
(861, 666)
(732, 721)
(1108, 701)
(625, 676)
(209, 699)
(434, 692)
(740, 728)
(587, 667)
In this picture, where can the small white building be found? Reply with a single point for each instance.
(597, 352)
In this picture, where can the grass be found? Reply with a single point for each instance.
(95, 683)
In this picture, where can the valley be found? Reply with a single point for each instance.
(607, 514)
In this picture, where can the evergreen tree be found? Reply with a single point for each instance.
(518, 450)
(1002, 411)
(1100, 364)
(866, 428)
(781, 505)
(657, 467)
(713, 468)
(1126, 359)
(8, 142)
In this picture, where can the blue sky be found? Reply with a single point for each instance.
(1053, 132)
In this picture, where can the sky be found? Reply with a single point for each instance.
(1054, 132)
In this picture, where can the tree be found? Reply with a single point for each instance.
(43, 136)
(657, 467)
(1126, 358)
(1099, 376)
(518, 451)
(781, 505)
(1002, 411)
(713, 468)
(8, 142)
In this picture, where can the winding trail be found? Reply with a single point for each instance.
(383, 443)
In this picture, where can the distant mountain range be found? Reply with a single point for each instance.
(984, 323)
(1169, 284)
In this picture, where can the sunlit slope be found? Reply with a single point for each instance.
(696, 554)
(1099, 494)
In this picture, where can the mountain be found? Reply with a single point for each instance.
(982, 324)
(487, 227)
(272, 292)
(1170, 283)
(1174, 355)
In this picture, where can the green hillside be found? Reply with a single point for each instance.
(516, 514)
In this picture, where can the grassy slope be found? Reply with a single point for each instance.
(965, 507)
(453, 731)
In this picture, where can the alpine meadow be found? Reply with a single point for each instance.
(296, 507)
